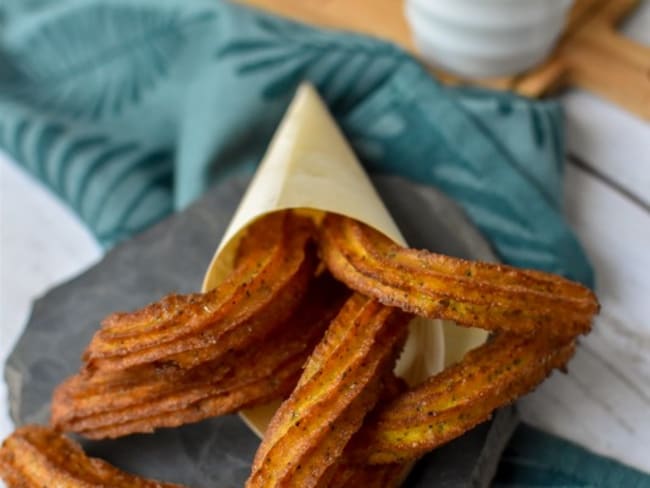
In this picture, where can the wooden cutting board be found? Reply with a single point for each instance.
(591, 54)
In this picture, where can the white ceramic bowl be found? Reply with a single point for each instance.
(486, 38)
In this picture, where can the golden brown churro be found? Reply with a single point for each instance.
(98, 404)
(259, 295)
(484, 295)
(37, 457)
(340, 384)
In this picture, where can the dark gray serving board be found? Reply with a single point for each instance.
(172, 256)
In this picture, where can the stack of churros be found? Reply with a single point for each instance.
(314, 314)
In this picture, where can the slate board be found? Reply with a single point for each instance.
(172, 256)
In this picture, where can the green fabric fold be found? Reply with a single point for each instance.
(128, 110)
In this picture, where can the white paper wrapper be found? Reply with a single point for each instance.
(310, 166)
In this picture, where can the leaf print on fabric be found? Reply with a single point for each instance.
(494, 216)
(9, 9)
(344, 67)
(389, 125)
(96, 60)
(515, 237)
(490, 211)
(480, 152)
(528, 131)
(116, 187)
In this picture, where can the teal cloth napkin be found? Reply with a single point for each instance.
(130, 109)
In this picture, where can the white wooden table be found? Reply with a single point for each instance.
(604, 401)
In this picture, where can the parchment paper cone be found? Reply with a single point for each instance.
(310, 166)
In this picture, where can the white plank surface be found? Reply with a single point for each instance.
(593, 125)
(604, 401)
(42, 243)
(614, 142)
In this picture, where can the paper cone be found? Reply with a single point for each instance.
(310, 166)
